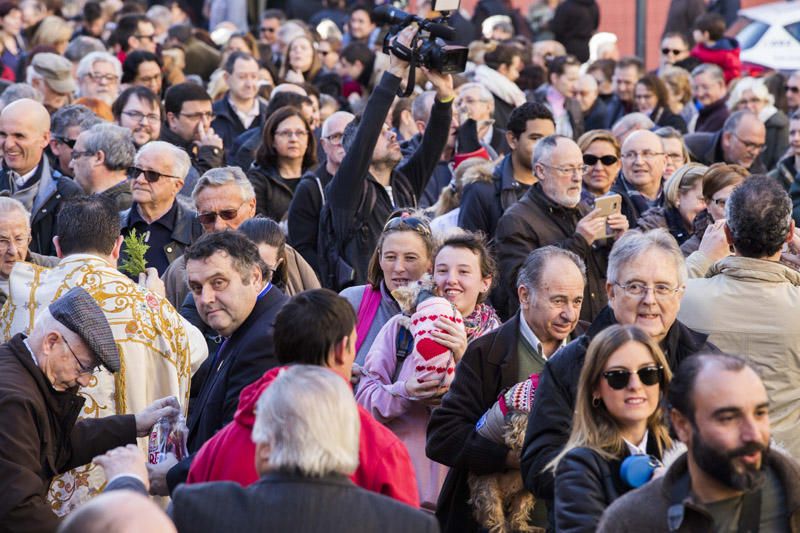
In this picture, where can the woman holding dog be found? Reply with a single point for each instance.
(618, 413)
(463, 270)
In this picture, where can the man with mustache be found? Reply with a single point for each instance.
(729, 479)
(747, 302)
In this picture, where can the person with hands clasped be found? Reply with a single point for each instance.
(371, 181)
(390, 389)
(551, 212)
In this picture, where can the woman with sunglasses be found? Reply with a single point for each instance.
(389, 390)
(683, 201)
(404, 254)
(618, 413)
(651, 98)
(288, 149)
(601, 153)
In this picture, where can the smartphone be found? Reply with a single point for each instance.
(608, 205)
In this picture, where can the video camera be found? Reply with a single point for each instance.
(431, 53)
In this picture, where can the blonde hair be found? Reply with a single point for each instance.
(679, 82)
(682, 180)
(469, 171)
(593, 426)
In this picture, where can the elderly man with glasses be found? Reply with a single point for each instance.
(167, 225)
(740, 141)
(551, 212)
(646, 279)
(99, 75)
(66, 124)
(640, 184)
(160, 350)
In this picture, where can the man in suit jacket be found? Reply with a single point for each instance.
(234, 296)
(304, 462)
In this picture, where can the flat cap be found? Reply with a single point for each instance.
(79, 312)
(56, 71)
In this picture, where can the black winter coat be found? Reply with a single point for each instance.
(595, 117)
(585, 484)
(273, 196)
(537, 221)
(483, 203)
(573, 24)
(303, 215)
(550, 421)
(662, 117)
(42, 437)
(712, 117)
(615, 110)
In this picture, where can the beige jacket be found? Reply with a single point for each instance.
(751, 307)
(159, 350)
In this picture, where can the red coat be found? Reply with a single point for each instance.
(383, 462)
(724, 54)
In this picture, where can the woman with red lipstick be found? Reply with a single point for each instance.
(618, 413)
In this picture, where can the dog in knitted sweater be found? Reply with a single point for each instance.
(499, 501)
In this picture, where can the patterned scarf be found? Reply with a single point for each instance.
(481, 321)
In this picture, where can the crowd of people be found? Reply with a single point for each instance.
(551, 292)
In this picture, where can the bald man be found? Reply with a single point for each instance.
(594, 108)
(119, 511)
(640, 184)
(26, 174)
(303, 218)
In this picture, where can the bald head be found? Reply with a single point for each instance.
(336, 122)
(586, 91)
(118, 511)
(24, 134)
(332, 133)
(643, 162)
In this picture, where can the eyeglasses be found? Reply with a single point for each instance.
(19, 242)
(334, 138)
(288, 134)
(647, 155)
(78, 154)
(649, 376)
(568, 171)
(151, 176)
(210, 217)
(672, 51)
(201, 115)
(399, 223)
(607, 160)
(98, 77)
(792, 89)
(138, 116)
(83, 369)
(661, 291)
(749, 146)
(267, 30)
(65, 141)
(148, 37)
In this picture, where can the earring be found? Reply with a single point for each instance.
(596, 402)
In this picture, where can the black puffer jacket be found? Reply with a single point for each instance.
(550, 421)
(273, 196)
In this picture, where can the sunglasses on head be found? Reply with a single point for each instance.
(211, 217)
(592, 160)
(150, 175)
(420, 225)
(667, 51)
(619, 379)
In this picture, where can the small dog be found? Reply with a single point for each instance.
(500, 502)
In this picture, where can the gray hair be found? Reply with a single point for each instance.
(711, 69)
(18, 91)
(630, 122)
(81, 46)
(635, 243)
(9, 205)
(160, 15)
(326, 125)
(310, 422)
(731, 123)
(486, 94)
(114, 141)
(545, 147)
(217, 177)
(177, 156)
(422, 105)
(755, 85)
(70, 116)
(530, 274)
(86, 64)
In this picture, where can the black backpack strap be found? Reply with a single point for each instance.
(404, 344)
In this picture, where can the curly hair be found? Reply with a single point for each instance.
(759, 217)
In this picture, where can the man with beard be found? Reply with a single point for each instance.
(747, 302)
(729, 479)
(139, 110)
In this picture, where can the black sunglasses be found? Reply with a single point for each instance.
(420, 225)
(592, 160)
(792, 89)
(619, 379)
(672, 51)
(68, 142)
(211, 217)
(150, 175)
